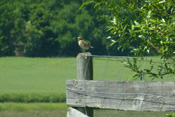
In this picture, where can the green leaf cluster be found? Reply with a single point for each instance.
(142, 27)
(152, 69)
(145, 26)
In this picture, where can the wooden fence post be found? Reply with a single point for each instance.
(84, 67)
(85, 72)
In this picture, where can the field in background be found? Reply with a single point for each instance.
(25, 79)
(21, 74)
(11, 106)
(33, 109)
(33, 79)
(60, 110)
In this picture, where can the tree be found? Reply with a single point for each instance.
(48, 28)
(40, 38)
(6, 25)
(12, 26)
(143, 26)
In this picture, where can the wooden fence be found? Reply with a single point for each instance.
(84, 94)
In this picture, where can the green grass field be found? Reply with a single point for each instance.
(33, 75)
(33, 109)
(11, 106)
(22, 77)
(31, 78)
(60, 110)
(25, 80)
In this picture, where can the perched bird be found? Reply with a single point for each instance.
(83, 44)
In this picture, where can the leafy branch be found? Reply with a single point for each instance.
(145, 27)
(153, 70)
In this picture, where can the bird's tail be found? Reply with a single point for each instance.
(91, 47)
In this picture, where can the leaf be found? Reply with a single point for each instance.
(113, 43)
(150, 61)
(86, 3)
(166, 66)
(132, 26)
(125, 28)
(163, 1)
(96, 5)
(152, 66)
(134, 75)
(129, 62)
(137, 24)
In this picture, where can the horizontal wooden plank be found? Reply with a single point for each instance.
(122, 95)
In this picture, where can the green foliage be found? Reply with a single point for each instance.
(6, 26)
(156, 69)
(171, 115)
(40, 38)
(49, 28)
(144, 27)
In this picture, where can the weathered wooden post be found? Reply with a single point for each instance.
(85, 72)
(84, 66)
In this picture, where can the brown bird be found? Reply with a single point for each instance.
(85, 46)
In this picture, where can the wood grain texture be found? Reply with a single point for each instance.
(85, 72)
(75, 113)
(84, 66)
(122, 95)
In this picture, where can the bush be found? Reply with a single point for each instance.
(26, 98)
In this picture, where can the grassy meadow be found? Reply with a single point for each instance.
(37, 86)
(60, 109)
(33, 75)
(24, 79)
(47, 76)
(34, 79)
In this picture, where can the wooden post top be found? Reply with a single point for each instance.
(84, 66)
(85, 54)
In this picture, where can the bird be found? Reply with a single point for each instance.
(85, 46)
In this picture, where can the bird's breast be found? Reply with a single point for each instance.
(79, 42)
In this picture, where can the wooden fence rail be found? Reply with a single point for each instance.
(124, 95)
(84, 93)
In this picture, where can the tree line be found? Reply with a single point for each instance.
(50, 28)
